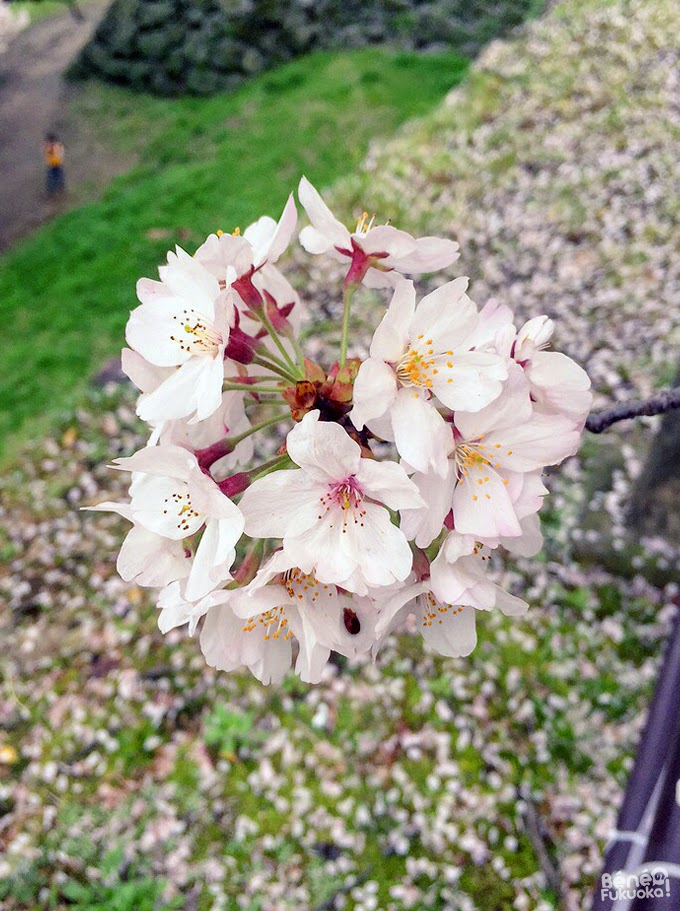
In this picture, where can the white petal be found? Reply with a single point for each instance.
(386, 239)
(383, 553)
(482, 505)
(474, 380)
(422, 436)
(282, 503)
(511, 407)
(424, 524)
(560, 384)
(321, 217)
(388, 483)
(213, 558)
(152, 330)
(167, 461)
(151, 560)
(325, 549)
(447, 314)
(284, 231)
(323, 449)
(430, 255)
(160, 505)
(542, 440)
(144, 375)
(391, 337)
(375, 388)
(180, 395)
(451, 631)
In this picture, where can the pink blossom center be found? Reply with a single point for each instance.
(348, 496)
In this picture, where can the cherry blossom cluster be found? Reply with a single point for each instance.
(395, 479)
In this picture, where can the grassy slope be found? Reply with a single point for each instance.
(206, 163)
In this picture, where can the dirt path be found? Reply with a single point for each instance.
(33, 99)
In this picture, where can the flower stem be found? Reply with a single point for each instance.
(211, 454)
(257, 427)
(266, 322)
(276, 367)
(347, 298)
(249, 387)
(280, 461)
(298, 351)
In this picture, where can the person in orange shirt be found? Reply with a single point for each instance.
(53, 151)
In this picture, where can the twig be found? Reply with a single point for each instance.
(538, 842)
(660, 403)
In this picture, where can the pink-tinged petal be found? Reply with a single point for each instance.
(526, 492)
(447, 314)
(473, 381)
(189, 280)
(284, 230)
(534, 334)
(206, 497)
(326, 550)
(424, 525)
(282, 503)
(176, 609)
(144, 375)
(313, 655)
(122, 509)
(388, 483)
(462, 581)
(510, 605)
(151, 560)
(511, 407)
(375, 278)
(322, 219)
(383, 553)
(381, 428)
(543, 440)
(260, 235)
(213, 559)
(314, 241)
(149, 290)
(482, 506)
(208, 389)
(560, 384)
(449, 630)
(226, 646)
(150, 332)
(430, 255)
(166, 461)
(391, 338)
(386, 239)
(422, 436)
(493, 318)
(349, 634)
(395, 608)
(180, 395)
(375, 389)
(324, 450)
(160, 505)
(530, 542)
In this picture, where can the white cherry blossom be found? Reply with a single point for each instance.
(332, 511)
(378, 253)
(172, 497)
(420, 357)
(183, 322)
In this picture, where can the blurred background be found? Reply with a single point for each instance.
(545, 138)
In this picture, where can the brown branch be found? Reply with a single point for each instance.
(660, 403)
(533, 825)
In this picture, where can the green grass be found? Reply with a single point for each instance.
(204, 164)
(40, 9)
